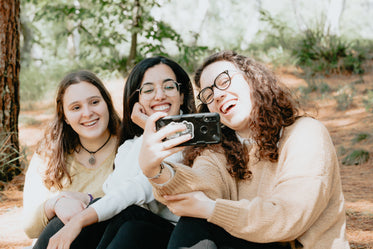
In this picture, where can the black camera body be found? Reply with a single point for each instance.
(204, 128)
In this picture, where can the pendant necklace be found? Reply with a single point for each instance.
(92, 159)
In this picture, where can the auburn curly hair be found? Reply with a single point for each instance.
(273, 107)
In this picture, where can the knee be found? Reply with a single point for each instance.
(190, 221)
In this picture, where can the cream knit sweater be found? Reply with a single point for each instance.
(35, 193)
(299, 199)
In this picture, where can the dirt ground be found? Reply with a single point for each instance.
(344, 126)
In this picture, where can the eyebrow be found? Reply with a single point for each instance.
(165, 80)
(89, 98)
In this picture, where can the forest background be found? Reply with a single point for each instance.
(323, 50)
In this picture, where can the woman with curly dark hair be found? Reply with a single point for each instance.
(273, 182)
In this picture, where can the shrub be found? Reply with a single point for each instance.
(360, 137)
(327, 54)
(356, 157)
(341, 151)
(9, 157)
(344, 97)
(368, 101)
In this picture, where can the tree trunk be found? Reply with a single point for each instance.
(9, 88)
(73, 40)
(202, 9)
(335, 11)
(135, 25)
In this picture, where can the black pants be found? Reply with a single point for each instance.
(134, 227)
(89, 237)
(137, 228)
(200, 234)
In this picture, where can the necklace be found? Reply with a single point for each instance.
(92, 159)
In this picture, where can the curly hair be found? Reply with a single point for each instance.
(60, 140)
(273, 107)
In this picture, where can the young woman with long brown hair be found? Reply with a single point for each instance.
(75, 156)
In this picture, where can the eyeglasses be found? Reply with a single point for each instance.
(221, 82)
(169, 88)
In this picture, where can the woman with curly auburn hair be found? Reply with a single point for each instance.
(274, 180)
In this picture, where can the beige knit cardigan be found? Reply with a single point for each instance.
(298, 199)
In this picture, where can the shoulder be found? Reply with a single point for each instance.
(306, 126)
(306, 134)
(37, 163)
(130, 143)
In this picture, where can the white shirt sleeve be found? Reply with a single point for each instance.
(34, 195)
(126, 185)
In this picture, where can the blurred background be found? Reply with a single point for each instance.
(322, 49)
(110, 36)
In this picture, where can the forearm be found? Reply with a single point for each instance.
(49, 206)
(85, 218)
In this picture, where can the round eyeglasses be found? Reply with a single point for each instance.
(169, 88)
(221, 82)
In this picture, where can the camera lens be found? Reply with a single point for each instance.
(203, 129)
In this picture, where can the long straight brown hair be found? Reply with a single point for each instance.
(60, 140)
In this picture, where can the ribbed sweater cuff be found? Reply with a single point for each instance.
(225, 214)
(179, 183)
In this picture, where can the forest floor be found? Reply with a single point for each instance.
(344, 126)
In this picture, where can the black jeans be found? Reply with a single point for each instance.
(200, 234)
(136, 228)
(89, 237)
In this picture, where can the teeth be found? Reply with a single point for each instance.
(161, 107)
(90, 123)
(226, 106)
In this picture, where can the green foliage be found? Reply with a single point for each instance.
(191, 56)
(327, 54)
(344, 97)
(368, 101)
(279, 33)
(314, 84)
(356, 157)
(106, 30)
(275, 45)
(341, 151)
(9, 159)
(360, 137)
(27, 120)
(37, 81)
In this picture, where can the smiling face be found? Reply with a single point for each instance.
(86, 111)
(234, 103)
(157, 75)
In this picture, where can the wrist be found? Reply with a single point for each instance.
(89, 199)
(58, 198)
(157, 175)
(210, 208)
(50, 206)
